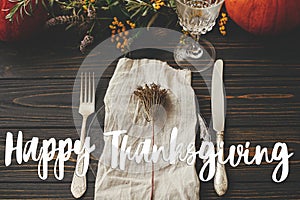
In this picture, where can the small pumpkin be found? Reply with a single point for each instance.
(21, 27)
(265, 17)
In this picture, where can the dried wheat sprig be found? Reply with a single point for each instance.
(65, 19)
(73, 19)
(149, 96)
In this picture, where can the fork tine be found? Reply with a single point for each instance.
(81, 88)
(85, 87)
(90, 92)
(93, 89)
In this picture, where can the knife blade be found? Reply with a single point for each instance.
(218, 117)
(218, 113)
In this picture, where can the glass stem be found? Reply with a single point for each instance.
(196, 37)
(195, 51)
(195, 45)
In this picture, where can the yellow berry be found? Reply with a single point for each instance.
(125, 41)
(112, 27)
(118, 45)
(223, 32)
(84, 7)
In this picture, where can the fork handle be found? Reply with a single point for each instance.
(220, 180)
(83, 132)
(78, 186)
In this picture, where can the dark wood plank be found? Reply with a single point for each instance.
(253, 190)
(44, 190)
(251, 102)
(248, 190)
(67, 68)
(244, 54)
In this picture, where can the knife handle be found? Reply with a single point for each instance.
(220, 180)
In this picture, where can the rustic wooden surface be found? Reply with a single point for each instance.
(262, 79)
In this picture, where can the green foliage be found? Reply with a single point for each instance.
(93, 18)
(21, 6)
(141, 12)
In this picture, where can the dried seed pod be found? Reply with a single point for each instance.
(87, 40)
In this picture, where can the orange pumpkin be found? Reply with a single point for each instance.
(21, 28)
(265, 17)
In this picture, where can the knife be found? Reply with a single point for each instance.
(218, 117)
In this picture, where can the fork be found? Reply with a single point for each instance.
(86, 108)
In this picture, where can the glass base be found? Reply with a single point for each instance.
(196, 56)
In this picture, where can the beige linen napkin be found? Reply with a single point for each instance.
(172, 181)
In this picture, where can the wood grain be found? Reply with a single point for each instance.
(261, 77)
(248, 190)
(253, 102)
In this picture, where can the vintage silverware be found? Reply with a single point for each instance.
(218, 116)
(86, 108)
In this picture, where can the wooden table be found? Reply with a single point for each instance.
(262, 79)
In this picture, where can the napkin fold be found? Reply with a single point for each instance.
(134, 182)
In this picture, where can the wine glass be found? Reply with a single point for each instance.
(197, 17)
